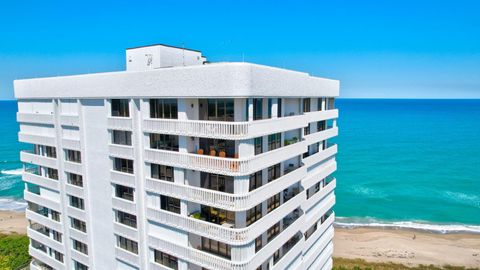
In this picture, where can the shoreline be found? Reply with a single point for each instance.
(407, 246)
(13, 222)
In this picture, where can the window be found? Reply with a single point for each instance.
(57, 255)
(77, 202)
(321, 125)
(126, 219)
(319, 104)
(273, 172)
(258, 243)
(270, 104)
(75, 179)
(274, 141)
(163, 108)
(124, 192)
(310, 231)
(73, 156)
(216, 247)
(273, 231)
(257, 109)
(330, 104)
(217, 182)
(164, 142)
(78, 224)
(120, 108)
(57, 236)
(217, 216)
(55, 215)
(258, 145)
(220, 109)
(52, 173)
(79, 246)
(162, 172)
(165, 259)
(79, 266)
(255, 180)
(127, 244)
(254, 214)
(50, 151)
(170, 204)
(273, 202)
(306, 130)
(279, 108)
(123, 165)
(306, 105)
(122, 137)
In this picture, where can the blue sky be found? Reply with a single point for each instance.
(381, 49)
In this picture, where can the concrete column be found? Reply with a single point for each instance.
(250, 109)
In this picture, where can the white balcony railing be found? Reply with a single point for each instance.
(324, 191)
(122, 178)
(234, 130)
(73, 167)
(233, 236)
(223, 200)
(119, 123)
(36, 139)
(40, 180)
(38, 199)
(69, 120)
(46, 221)
(44, 239)
(226, 166)
(44, 257)
(319, 136)
(320, 156)
(121, 151)
(37, 118)
(29, 157)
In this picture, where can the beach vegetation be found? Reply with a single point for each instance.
(360, 264)
(13, 251)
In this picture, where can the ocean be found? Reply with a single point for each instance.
(401, 163)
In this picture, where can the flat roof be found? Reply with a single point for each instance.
(165, 45)
(230, 79)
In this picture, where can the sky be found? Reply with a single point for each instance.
(377, 49)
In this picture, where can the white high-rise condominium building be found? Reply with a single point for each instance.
(177, 163)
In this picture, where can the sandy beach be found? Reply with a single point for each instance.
(13, 222)
(408, 247)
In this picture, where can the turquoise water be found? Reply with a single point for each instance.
(400, 162)
(409, 161)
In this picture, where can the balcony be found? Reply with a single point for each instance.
(324, 191)
(227, 201)
(37, 118)
(234, 130)
(233, 236)
(69, 120)
(119, 123)
(31, 175)
(32, 158)
(225, 166)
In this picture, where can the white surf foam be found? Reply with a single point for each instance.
(12, 172)
(7, 204)
(431, 227)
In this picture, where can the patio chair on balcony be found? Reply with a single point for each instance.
(200, 151)
(213, 152)
(222, 154)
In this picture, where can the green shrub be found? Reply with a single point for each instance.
(13, 251)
